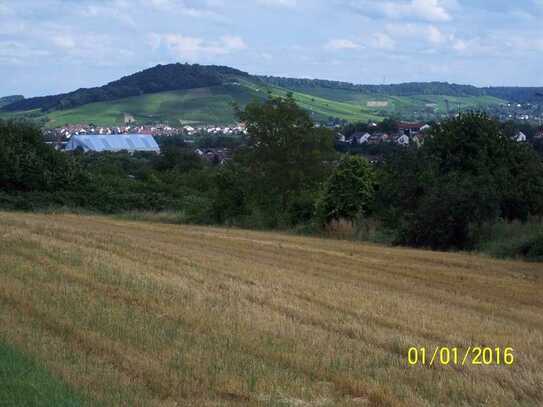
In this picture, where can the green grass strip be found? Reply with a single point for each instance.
(24, 383)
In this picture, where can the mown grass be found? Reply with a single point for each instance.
(141, 313)
(23, 382)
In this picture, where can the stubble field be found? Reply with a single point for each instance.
(130, 313)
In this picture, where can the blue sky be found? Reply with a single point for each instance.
(52, 46)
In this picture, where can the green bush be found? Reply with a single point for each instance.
(533, 249)
(513, 240)
(349, 193)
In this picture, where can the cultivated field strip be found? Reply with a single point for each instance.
(133, 313)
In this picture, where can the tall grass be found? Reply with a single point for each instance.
(172, 217)
(514, 240)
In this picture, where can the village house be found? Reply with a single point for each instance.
(403, 140)
(410, 129)
(520, 137)
(214, 155)
(360, 138)
(418, 139)
(341, 137)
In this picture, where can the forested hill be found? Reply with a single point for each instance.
(158, 79)
(513, 94)
(6, 100)
(181, 77)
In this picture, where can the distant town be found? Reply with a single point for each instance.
(408, 132)
(63, 134)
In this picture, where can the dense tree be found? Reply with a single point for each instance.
(467, 173)
(230, 203)
(177, 158)
(28, 164)
(285, 154)
(388, 126)
(349, 193)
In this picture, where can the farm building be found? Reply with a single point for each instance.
(113, 142)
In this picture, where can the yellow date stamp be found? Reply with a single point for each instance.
(453, 356)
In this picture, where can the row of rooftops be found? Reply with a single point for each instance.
(66, 132)
(408, 133)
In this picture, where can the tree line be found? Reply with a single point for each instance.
(512, 94)
(468, 174)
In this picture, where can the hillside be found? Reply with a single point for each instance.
(7, 100)
(134, 313)
(512, 94)
(208, 105)
(213, 105)
(182, 93)
(158, 79)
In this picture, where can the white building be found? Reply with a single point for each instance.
(113, 143)
(403, 140)
(520, 137)
(359, 138)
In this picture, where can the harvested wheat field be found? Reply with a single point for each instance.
(132, 313)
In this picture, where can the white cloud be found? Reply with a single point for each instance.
(435, 36)
(426, 10)
(64, 41)
(17, 52)
(11, 28)
(420, 33)
(460, 45)
(431, 10)
(193, 47)
(4, 9)
(480, 47)
(520, 43)
(341, 44)
(118, 10)
(232, 42)
(383, 41)
(159, 3)
(499, 45)
(279, 3)
(191, 8)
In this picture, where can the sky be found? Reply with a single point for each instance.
(54, 46)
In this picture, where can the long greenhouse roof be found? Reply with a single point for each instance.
(114, 142)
